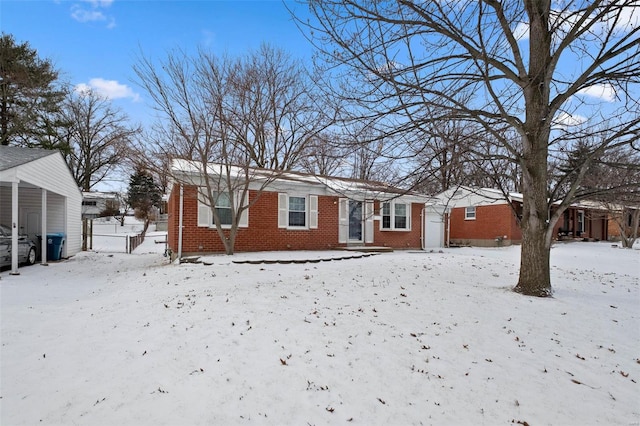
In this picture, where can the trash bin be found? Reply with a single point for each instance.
(55, 241)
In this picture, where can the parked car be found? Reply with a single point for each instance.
(26, 248)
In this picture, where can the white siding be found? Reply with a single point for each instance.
(463, 197)
(64, 199)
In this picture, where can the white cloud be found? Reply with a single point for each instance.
(605, 92)
(110, 89)
(93, 13)
(83, 15)
(567, 120)
(99, 3)
(521, 31)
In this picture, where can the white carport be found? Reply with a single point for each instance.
(38, 195)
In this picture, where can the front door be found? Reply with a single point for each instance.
(355, 221)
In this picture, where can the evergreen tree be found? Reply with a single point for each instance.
(143, 196)
(30, 100)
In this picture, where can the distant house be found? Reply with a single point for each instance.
(621, 218)
(94, 203)
(583, 220)
(296, 211)
(485, 217)
(38, 195)
(482, 216)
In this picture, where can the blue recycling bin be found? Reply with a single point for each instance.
(55, 241)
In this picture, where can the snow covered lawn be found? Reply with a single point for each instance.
(395, 338)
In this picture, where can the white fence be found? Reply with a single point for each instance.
(107, 235)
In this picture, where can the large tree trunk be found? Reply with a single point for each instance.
(534, 277)
(535, 272)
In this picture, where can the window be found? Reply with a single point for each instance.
(580, 222)
(89, 203)
(297, 211)
(223, 208)
(395, 216)
(401, 216)
(386, 216)
(470, 213)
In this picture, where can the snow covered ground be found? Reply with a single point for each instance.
(396, 338)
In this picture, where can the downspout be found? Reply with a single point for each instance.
(422, 227)
(181, 211)
(448, 213)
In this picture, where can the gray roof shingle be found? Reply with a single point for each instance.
(13, 156)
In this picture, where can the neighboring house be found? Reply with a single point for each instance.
(583, 220)
(485, 217)
(296, 211)
(94, 203)
(481, 216)
(620, 218)
(38, 195)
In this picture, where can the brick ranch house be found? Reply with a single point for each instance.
(484, 217)
(294, 211)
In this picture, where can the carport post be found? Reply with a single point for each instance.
(14, 228)
(43, 228)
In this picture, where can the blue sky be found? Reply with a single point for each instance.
(96, 42)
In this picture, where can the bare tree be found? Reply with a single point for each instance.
(97, 137)
(503, 66)
(238, 123)
(368, 151)
(323, 155)
(613, 181)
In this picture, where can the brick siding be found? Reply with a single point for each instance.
(263, 233)
(491, 222)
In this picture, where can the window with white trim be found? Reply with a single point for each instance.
(581, 227)
(400, 218)
(396, 216)
(297, 211)
(223, 208)
(470, 213)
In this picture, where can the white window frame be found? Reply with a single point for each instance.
(581, 219)
(470, 213)
(305, 225)
(216, 194)
(392, 215)
(311, 211)
(205, 212)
